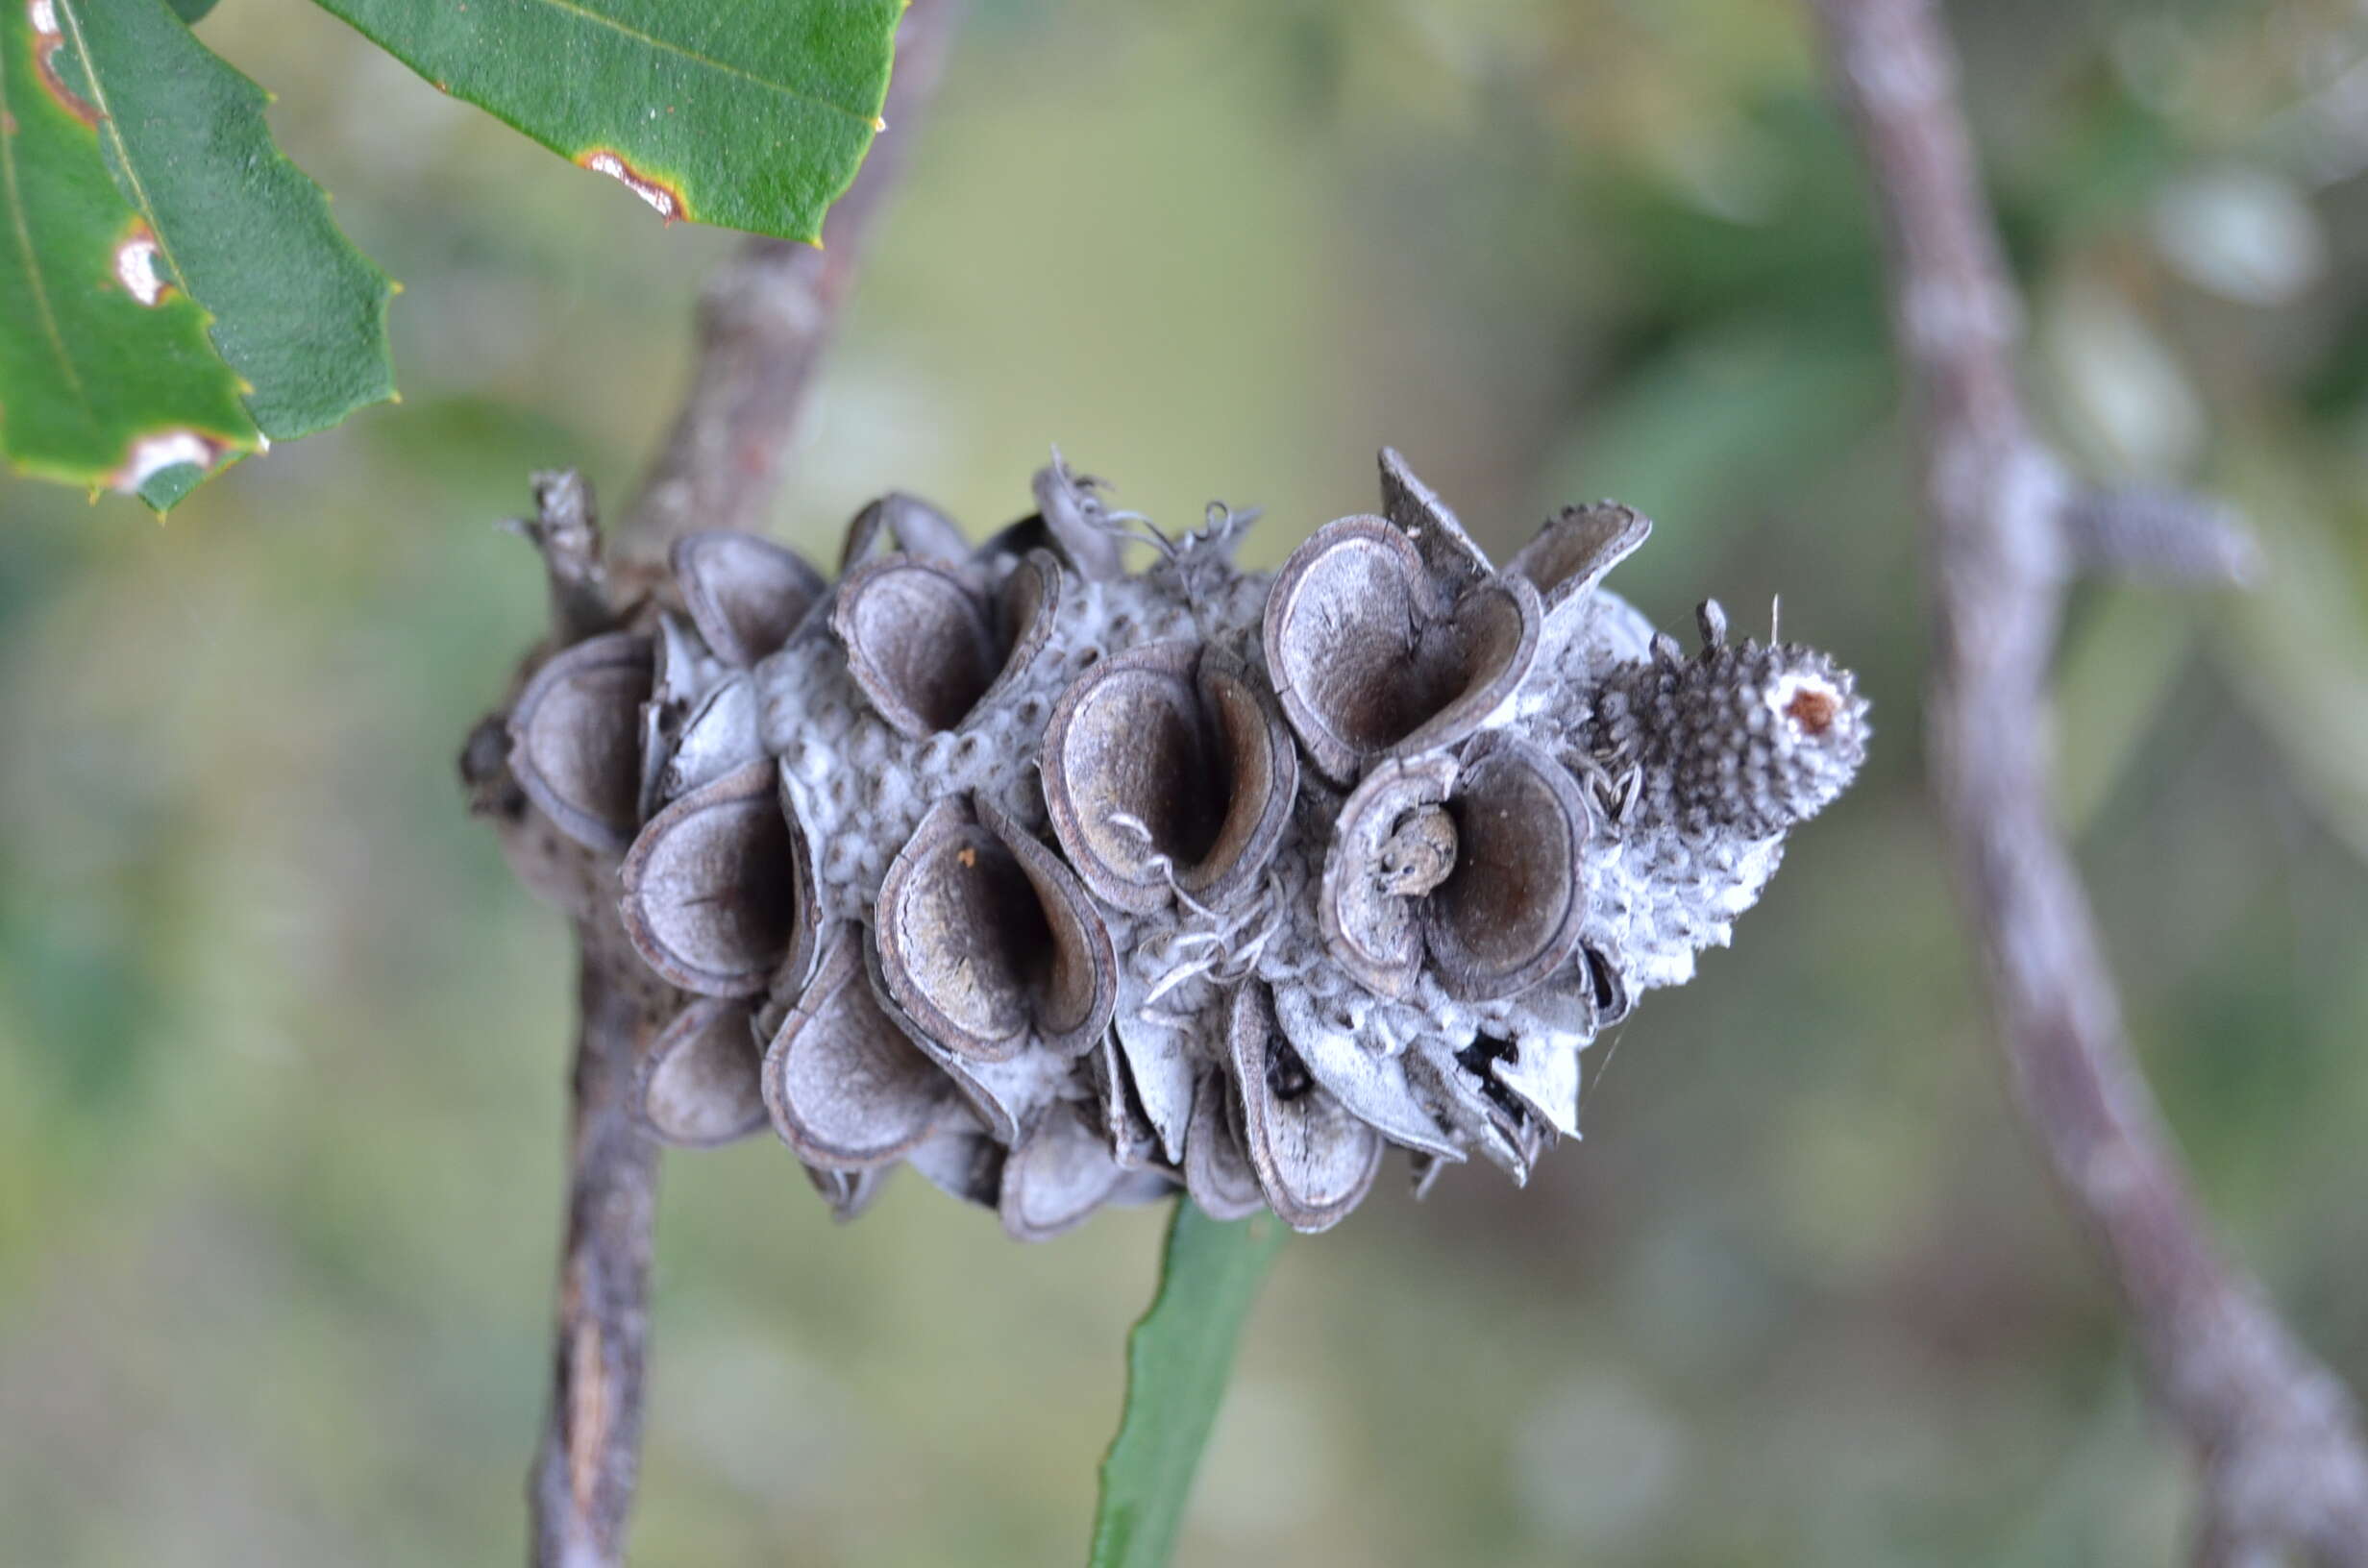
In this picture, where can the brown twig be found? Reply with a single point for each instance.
(582, 1488)
(763, 324)
(566, 529)
(2277, 1441)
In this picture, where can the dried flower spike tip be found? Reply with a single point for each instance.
(1068, 885)
(1746, 738)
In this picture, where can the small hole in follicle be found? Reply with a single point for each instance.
(1287, 1076)
(1480, 1058)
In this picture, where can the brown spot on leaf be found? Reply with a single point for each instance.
(667, 201)
(48, 39)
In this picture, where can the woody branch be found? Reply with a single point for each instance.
(2274, 1432)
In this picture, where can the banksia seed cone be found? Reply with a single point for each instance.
(1067, 885)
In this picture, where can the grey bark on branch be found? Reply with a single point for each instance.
(764, 321)
(2274, 1434)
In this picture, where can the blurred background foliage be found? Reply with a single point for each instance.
(280, 1042)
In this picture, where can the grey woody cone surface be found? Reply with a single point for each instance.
(1069, 886)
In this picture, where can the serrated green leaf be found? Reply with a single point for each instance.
(1177, 1359)
(96, 388)
(299, 313)
(752, 117)
(169, 486)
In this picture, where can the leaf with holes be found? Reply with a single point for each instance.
(107, 378)
(752, 117)
(299, 313)
(1177, 1360)
(183, 215)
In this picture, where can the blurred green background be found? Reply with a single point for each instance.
(281, 1043)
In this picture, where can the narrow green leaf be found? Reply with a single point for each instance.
(1177, 1359)
(2118, 673)
(96, 387)
(191, 10)
(2295, 645)
(299, 313)
(749, 115)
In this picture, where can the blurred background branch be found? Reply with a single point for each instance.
(2274, 1431)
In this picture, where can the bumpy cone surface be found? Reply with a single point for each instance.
(1068, 885)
